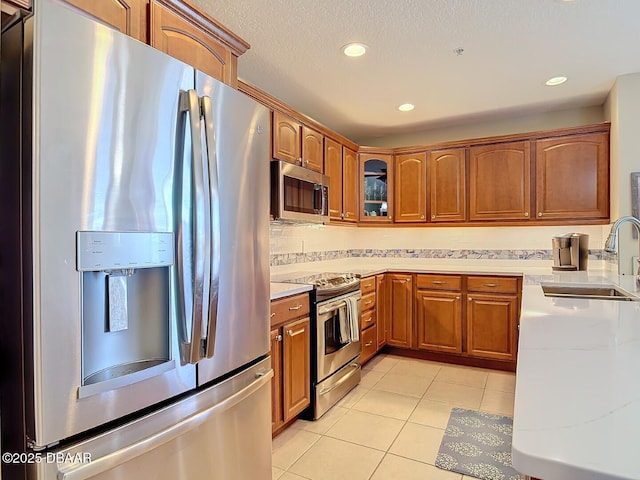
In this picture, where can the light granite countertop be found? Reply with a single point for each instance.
(577, 401)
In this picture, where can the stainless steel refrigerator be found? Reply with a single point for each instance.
(134, 260)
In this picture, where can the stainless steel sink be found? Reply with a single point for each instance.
(590, 291)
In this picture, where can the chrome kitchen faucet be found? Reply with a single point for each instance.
(611, 244)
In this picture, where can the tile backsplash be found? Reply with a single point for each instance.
(310, 243)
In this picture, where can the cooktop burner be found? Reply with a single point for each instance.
(329, 284)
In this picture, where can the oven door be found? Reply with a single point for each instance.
(332, 351)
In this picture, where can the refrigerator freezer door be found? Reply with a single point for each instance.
(105, 150)
(220, 433)
(238, 145)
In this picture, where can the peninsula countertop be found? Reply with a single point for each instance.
(577, 403)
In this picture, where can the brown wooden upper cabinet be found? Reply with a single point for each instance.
(312, 149)
(286, 138)
(341, 166)
(126, 16)
(376, 187)
(447, 185)
(349, 184)
(296, 143)
(173, 33)
(572, 177)
(333, 166)
(410, 201)
(500, 181)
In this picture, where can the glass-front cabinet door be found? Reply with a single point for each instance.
(376, 188)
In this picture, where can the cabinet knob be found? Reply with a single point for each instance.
(273, 314)
(470, 299)
(300, 160)
(342, 215)
(346, 214)
(457, 298)
(279, 338)
(368, 344)
(433, 216)
(408, 279)
(539, 214)
(422, 217)
(390, 217)
(526, 214)
(297, 307)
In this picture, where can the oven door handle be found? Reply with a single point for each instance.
(332, 306)
(341, 381)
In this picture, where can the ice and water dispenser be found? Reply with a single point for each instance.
(126, 334)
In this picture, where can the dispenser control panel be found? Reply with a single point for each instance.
(98, 251)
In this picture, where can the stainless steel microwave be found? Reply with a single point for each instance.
(298, 194)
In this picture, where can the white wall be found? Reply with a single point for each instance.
(622, 109)
(484, 127)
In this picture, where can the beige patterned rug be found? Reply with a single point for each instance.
(478, 444)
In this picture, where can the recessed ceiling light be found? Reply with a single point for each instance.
(556, 81)
(406, 107)
(354, 49)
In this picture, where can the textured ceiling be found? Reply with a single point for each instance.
(511, 47)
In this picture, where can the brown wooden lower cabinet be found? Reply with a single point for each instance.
(296, 367)
(470, 319)
(290, 359)
(276, 380)
(438, 316)
(382, 309)
(491, 325)
(400, 333)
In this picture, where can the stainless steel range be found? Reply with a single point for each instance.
(336, 340)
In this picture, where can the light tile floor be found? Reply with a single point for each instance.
(390, 426)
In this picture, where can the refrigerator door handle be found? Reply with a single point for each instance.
(199, 236)
(78, 471)
(207, 110)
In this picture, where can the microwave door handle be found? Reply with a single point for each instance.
(317, 197)
(325, 199)
(191, 236)
(214, 229)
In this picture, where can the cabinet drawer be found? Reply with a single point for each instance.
(492, 284)
(367, 285)
(288, 308)
(367, 318)
(439, 282)
(369, 339)
(368, 301)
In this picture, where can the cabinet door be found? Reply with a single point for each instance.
(296, 367)
(499, 181)
(447, 185)
(350, 185)
(376, 188)
(333, 169)
(401, 313)
(312, 149)
(176, 36)
(382, 309)
(411, 195)
(286, 138)
(572, 177)
(126, 16)
(439, 321)
(491, 326)
(276, 381)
